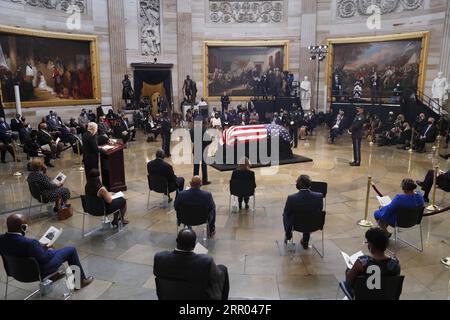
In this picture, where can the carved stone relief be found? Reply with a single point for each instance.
(61, 5)
(350, 8)
(246, 11)
(150, 27)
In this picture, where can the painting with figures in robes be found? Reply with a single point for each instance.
(49, 71)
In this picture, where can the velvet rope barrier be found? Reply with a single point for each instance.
(429, 214)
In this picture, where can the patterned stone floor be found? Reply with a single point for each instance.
(248, 245)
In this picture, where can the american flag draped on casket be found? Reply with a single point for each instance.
(252, 133)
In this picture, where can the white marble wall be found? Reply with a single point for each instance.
(94, 22)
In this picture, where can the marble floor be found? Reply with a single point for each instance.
(248, 245)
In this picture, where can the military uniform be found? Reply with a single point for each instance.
(356, 129)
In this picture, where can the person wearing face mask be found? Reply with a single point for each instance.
(47, 141)
(427, 135)
(6, 139)
(15, 244)
(377, 243)
(83, 119)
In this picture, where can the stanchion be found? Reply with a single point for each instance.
(80, 162)
(411, 143)
(370, 155)
(17, 173)
(410, 163)
(433, 206)
(365, 223)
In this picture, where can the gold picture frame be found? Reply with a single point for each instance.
(94, 59)
(268, 43)
(423, 35)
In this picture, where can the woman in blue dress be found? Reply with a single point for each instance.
(387, 216)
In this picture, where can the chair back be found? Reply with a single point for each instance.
(94, 206)
(24, 270)
(242, 188)
(391, 288)
(179, 290)
(409, 217)
(35, 191)
(193, 215)
(320, 187)
(158, 184)
(309, 222)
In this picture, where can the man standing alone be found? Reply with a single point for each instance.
(356, 131)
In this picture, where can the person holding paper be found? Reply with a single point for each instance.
(49, 191)
(184, 265)
(95, 188)
(47, 141)
(14, 243)
(377, 243)
(387, 215)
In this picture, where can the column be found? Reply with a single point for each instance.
(184, 44)
(117, 44)
(307, 38)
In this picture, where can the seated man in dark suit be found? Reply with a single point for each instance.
(428, 135)
(303, 202)
(124, 131)
(17, 123)
(196, 196)
(186, 266)
(15, 244)
(47, 141)
(443, 182)
(159, 167)
(6, 139)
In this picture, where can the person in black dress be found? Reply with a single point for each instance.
(243, 172)
(95, 188)
(356, 131)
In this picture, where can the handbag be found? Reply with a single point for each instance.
(65, 212)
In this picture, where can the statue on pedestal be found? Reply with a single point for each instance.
(127, 91)
(190, 89)
(305, 88)
(439, 89)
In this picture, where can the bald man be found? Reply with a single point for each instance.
(184, 265)
(196, 196)
(15, 244)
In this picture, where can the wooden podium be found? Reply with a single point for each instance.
(113, 168)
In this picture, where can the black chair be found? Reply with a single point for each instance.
(167, 289)
(26, 270)
(242, 188)
(409, 218)
(390, 289)
(309, 223)
(35, 193)
(95, 207)
(321, 187)
(157, 184)
(194, 215)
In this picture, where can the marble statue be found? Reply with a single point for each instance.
(150, 26)
(439, 89)
(305, 87)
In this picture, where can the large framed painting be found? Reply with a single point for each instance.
(238, 67)
(51, 69)
(386, 61)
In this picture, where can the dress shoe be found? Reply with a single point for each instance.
(354, 164)
(304, 244)
(212, 234)
(286, 240)
(207, 183)
(170, 200)
(86, 282)
(247, 207)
